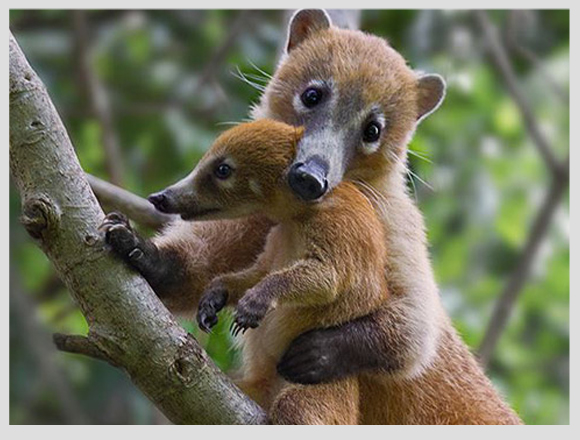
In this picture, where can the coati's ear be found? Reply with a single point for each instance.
(304, 23)
(431, 91)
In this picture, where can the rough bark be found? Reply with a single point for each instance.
(128, 325)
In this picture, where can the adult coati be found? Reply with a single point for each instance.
(359, 103)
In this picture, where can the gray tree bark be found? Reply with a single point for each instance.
(128, 325)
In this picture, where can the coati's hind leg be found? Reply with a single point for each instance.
(335, 403)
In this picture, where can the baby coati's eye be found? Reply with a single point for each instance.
(223, 171)
(372, 132)
(311, 97)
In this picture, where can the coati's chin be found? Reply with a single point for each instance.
(200, 214)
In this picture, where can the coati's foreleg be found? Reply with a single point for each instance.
(381, 341)
(179, 263)
(225, 290)
(336, 403)
(161, 269)
(306, 282)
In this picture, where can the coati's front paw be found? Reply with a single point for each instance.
(250, 311)
(120, 236)
(213, 300)
(314, 357)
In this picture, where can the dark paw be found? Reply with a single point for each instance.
(312, 358)
(249, 313)
(120, 236)
(212, 301)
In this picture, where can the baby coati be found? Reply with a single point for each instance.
(359, 104)
(322, 263)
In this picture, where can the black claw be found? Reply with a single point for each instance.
(238, 328)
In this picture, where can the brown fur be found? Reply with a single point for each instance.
(322, 265)
(440, 382)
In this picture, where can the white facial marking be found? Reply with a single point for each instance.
(299, 106)
(372, 147)
(230, 181)
(256, 188)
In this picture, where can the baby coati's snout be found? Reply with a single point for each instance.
(181, 198)
(244, 172)
(161, 201)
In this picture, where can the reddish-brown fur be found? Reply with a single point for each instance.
(440, 381)
(322, 265)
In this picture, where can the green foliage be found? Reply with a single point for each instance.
(487, 177)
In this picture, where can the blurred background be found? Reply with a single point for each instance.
(143, 94)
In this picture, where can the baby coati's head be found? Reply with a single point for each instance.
(243, 172)
(356, 97)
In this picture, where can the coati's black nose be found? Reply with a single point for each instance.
(160, 201)
(308, 179)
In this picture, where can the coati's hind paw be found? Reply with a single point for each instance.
(212, 301)
(120, 236)
(250, 311)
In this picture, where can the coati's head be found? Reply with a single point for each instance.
(243, 172)
(356, 97)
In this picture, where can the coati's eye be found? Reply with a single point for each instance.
(372, 132)
(223, 171)
(311, 97)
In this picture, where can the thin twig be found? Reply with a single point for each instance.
(97, 97)
(503, 65)
(559, 171)
(515, 20)
(507, 299)
(242, 21)
(80, 345)
(133, 206)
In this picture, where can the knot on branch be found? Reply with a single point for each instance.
(35, 132)
(39, 216)
(186, 365)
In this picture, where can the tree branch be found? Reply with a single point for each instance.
(517, 21)
(242, 20)
(507, 299)
(136, 208)
(96, 96)
(560, 176)
(81, 345)
(502, 63)
(126, 320)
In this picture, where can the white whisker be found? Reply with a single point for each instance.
(229, 123)
(419, 155)
(257, 78)
(380, 201)
(238, 74)
(266, 74)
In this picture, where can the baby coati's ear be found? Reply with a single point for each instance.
(431, 91)
(304, 23)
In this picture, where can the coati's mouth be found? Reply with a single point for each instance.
(194, 215)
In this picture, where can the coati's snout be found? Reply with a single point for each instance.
(161, 201)
(309, 179)
(180, 199)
